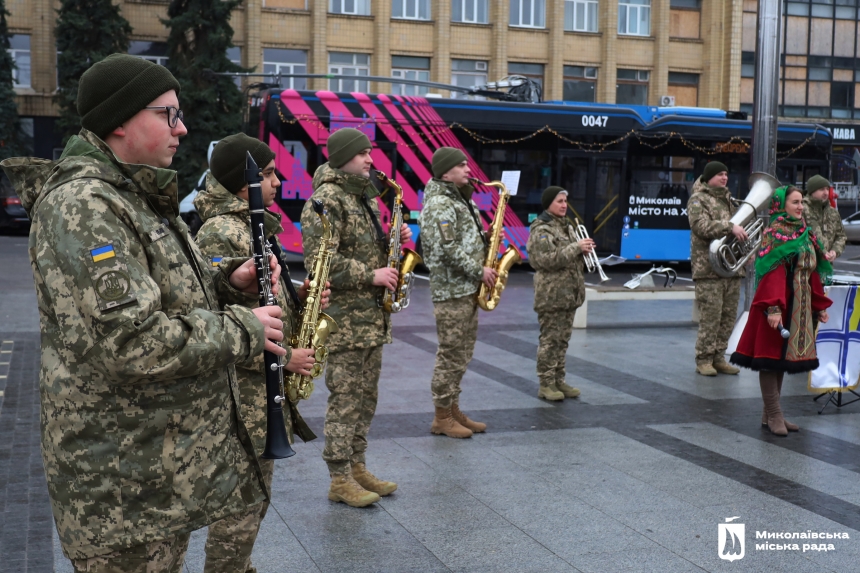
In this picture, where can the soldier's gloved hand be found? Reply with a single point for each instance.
(405, 233)
(301, 361)
(273, 328)
(490, 276)
(385, 277)
(244, 278)
(739, 233)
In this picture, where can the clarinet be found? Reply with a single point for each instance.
(277, 442)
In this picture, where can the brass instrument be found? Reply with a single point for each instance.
(398, 299)
(592, 263)
(488, 299)
(728, 255)
(315, 326)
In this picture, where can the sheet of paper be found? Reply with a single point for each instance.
(511, 179)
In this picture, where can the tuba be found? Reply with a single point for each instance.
(398, 299)
(315, 326)
(729, 255)
(592, 263)
(488, 299)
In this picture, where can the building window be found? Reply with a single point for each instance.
(634, 17)
(528, 13)
(354, 7)
(411, 9)
(19, 48)
(841, 99)
(466, 74)
(632, 87)
(688, 4)
(747, 64)
(155, 52)
(580, 15)
(280, 61)
(348, 64)
(579, 83)
(531, 71)
(684, 88)
(410, 68)
(470, 11)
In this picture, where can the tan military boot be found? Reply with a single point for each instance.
(463, 420)
(444, 423)
(706, 369)
(370, 482)
(344, 488)
(550, 392)
(723, 367)
(566, 389)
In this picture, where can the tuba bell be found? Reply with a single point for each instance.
(729, 255)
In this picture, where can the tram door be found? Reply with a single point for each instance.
(594, 183)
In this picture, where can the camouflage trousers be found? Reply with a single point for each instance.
(457, 331)
(352, 378)
(164, 556)
(231, 540)
(555, 329)
(718, 309)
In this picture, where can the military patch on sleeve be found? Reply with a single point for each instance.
(543, 238)
(215, 261)
(446, 231)
(110, 278)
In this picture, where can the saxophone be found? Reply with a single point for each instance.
(398, 299)
(488, 299)
(315, 326)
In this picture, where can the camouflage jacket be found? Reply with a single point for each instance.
(140, 434)
(226, 232)
(452, 242)
(825, 223)
(357, 253)
(709, 210)
(556, 257)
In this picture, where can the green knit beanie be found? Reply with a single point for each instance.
(228, 159)
(113, 90)
(815, 183)
(446, 158)
(712, 169)
(344, 144)
(549, 194)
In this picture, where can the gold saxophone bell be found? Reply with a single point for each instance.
(488, 299)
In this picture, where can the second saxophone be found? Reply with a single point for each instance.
(405, 263)
(488, 299)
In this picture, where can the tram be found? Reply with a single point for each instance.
(628, 169)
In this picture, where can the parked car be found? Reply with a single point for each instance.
(12, 213)
(852, 227)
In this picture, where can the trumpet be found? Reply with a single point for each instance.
(592, 263)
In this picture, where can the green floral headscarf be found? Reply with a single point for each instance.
(785, 238)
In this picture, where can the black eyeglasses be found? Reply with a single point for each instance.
(174, 114)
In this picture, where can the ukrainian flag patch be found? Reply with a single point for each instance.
(216, 261)
(102, 253)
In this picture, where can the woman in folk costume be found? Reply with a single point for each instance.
(790, 270)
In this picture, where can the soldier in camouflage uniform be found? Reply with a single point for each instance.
(823, 218)
(141, 441)
(226, 232)
(557, 258)
(358, 275)
(710, 210)
(454, 250)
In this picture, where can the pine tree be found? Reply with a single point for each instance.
(87, 31)
(12, 141)
(200, 34)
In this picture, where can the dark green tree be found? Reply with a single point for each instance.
(87, 31)
(200, 34)
(13, 142)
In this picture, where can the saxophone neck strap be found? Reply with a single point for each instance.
(285, 272)
(477, 219)
(380, 234)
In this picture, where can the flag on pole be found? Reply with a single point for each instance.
(838, 343)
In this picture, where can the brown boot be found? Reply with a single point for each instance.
(788, 425)
(566, 389)
(444, 423)
(770, 397)
(463, 420)
(344, 488)
(370, 482)
(550, 392)
(706, 369)
(723, 367)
